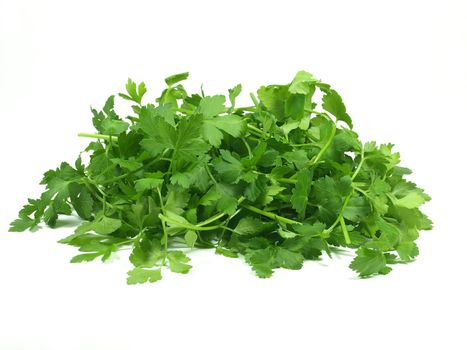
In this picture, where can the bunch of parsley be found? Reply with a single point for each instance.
(278, 182)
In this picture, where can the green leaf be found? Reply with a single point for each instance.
(178, 262)
(262, 261)
(288, 260)
(332, 102)
(113, 127)
(407, 251)
(228, 201)
(146, 252)
(22, 224)
(329, 194)
(301, 191)
(249, 226)
(105, 225)
(81, 200)
(211, 106)
(298, 158)
(273, 97)
(146, 184)
(233, 94)
(303, 83)
(357, 209)
(228, 167)
(140, 275)
(190, 238)
(86, 257)
(230, 124)
(368, 262)
(409, 199)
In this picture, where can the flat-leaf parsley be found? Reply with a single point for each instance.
(279, 182)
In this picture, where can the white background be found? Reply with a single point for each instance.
(401, 67)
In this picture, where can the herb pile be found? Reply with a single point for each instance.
(278, 182)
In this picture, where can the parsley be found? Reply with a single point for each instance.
(278, 182)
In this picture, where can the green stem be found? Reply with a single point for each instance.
(359, 165)
(341, 213)
(340, 218)
(210, 174)
(287, 181)
(280, 179)
(271, 215)
(219, 215)
(164, 229)
(356, 188)
(325, 147)
(225, 226)
(228, 229)
(188, 225)
(250, 155)
(258, 131)
(253, 98)
(93, 192)
(99, 136)
(249, 109)
(323, 150)
(255, 134)
(344, 230)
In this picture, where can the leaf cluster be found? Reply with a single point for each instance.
(278, 182)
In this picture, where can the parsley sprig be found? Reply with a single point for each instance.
(278, 182)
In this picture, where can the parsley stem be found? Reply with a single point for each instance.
(325, 147)
(340, 218)
(341, 213)
(219, 215)
(210, 174)
(271, 215)
(93, 192)
(356, 188)
(287, 181)
(188, 225)
(359, 167)
(249, 109)
(323, 150)
(225, 226)
(164, 229)
(250, 155)
(344, 230)
(258, 131)
(253, 98)
(280, 179)
(98, 136)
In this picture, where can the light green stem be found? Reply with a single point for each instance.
(164, 229)
(341, 213)
(325, 147)
(258, 131)
(287, 181)
(188, 225)
(323, 150)
(271, 215)
(359, 167)
(344, 230)
(98, 136)
(219, 215)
